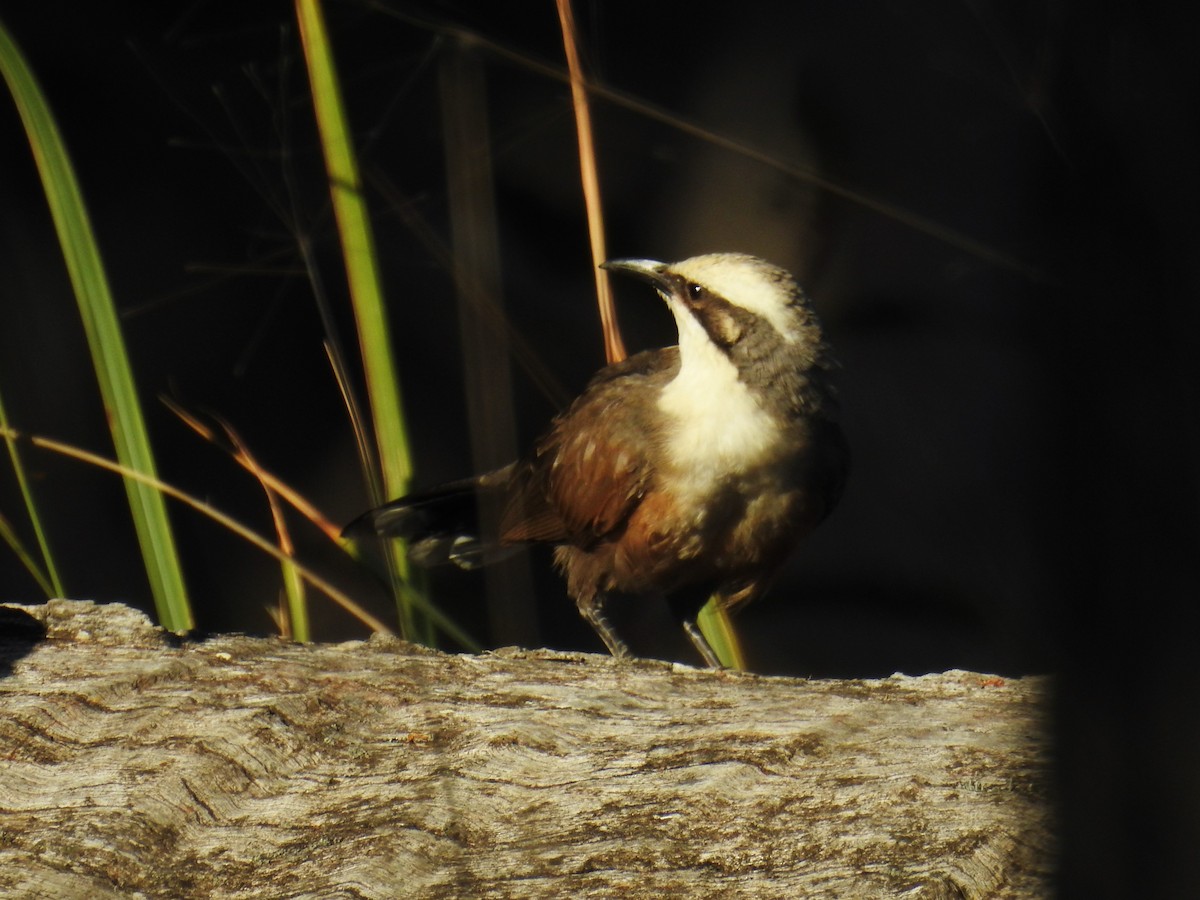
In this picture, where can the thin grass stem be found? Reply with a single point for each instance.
(46, 578)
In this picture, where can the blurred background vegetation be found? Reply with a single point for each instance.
(993, 205)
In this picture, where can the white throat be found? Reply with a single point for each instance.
(719, 427)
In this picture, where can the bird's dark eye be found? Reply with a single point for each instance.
(694, 290)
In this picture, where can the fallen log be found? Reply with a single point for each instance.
(136, 764)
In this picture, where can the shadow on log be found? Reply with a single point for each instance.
(249, 767)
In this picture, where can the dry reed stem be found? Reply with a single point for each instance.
(614, 346)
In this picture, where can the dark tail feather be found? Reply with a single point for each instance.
(441, 525)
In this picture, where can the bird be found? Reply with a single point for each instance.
(684, 472)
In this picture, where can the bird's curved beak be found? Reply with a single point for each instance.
(647, 269)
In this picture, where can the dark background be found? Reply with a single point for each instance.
(1019, 382)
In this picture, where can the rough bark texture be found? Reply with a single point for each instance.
(246, 767)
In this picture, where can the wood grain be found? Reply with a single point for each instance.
(131, 764)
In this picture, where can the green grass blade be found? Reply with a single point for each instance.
(293, 587)
(358, 248)
(47, 579)
(362, 272)
(716, 625)
(104, 336)
(293, 582)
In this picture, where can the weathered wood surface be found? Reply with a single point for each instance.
(244, 767)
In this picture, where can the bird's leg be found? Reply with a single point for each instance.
(700, 642)
(729, 596)
(591, 607)
(686, 605)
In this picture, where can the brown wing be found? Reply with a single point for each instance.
(591, 469)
